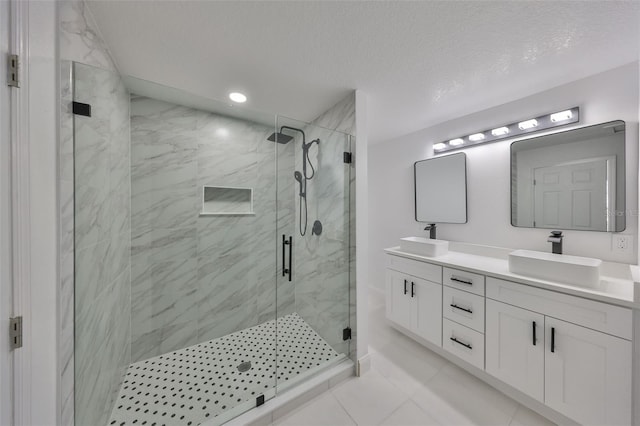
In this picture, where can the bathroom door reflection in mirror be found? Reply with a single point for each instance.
(570, 180)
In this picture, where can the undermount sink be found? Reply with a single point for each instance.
(424, 246)
(579, 271)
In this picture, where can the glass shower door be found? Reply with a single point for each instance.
(174, 227)
(313, 222)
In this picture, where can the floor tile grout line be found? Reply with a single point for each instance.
(342, 405)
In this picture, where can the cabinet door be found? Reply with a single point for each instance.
(428, 314)
(400, 305)
(587, 374)
(512, 354)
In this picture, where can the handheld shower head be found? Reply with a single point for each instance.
(298, 176)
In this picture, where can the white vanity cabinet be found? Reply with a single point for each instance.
(580, 372)
(463, 311)
(515, 347)
(414, 297)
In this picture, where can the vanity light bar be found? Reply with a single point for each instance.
(544, 122)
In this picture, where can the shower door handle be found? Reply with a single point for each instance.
(285, 243)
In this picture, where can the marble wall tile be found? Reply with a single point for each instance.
(175, 151)
(79, 37)
(102, 210)
(340, 117)
(79, 40)
(66, 214)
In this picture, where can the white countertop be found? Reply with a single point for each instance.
(621, 288)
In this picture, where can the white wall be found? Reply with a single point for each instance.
(603, 97)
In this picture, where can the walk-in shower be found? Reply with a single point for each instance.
(301, 177)
(182, 313)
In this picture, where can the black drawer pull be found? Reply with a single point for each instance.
(453, 305)
(405, 286)
(534, 333)
(466, 345)
(458, 280)
(553, 339)
(413, 289)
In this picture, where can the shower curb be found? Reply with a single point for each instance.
(293, 398)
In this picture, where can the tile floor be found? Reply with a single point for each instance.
(187, 386)
(410, 385)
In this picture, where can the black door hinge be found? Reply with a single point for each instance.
(346, 333)
(347, 158)
(81, 109)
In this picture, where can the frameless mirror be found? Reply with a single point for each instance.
(441, 189)
(570, 180)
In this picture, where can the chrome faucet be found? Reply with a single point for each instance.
(556, 241)
(432, 230)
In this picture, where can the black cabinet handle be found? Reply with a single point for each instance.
(534, 333)
(405, 286)
(466, 345)
(553, 339)
(458, 280)
(285, 243)
(413, 289)
(453, 305)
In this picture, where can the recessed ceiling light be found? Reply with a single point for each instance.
(456, 142)
(476, 137)
(439, 146)
(561, 116)
(500, 131)
(529, 124)
(237, 97)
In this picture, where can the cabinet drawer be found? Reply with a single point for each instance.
(464, 308)
(599, 316)
(465, 343)
(464, 280)
(418, 269)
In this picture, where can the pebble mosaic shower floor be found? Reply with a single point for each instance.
(194, 384)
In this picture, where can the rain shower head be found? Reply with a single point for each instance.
(279, 137)
(283, 138)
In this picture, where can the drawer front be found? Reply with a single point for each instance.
(599, 316)
(463, 342)
(426, 271)
(464, 280)
(464, 308)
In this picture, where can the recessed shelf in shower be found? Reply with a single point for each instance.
(225, 201)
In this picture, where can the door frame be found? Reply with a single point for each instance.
(19, 285)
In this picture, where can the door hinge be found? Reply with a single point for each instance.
(79, 108)
(13, 77)
(347, 158)
(346, 333)
(15, 332)
(534, 181)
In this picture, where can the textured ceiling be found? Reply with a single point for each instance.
(420, 63)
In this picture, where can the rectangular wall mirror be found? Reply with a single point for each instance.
(441, 189)
(570, 180)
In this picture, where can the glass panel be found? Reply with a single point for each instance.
(175, 302)
(313, 225)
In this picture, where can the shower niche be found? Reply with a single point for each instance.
(224, 200)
